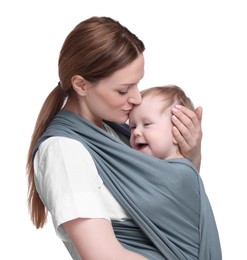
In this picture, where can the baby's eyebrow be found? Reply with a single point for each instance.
(146, 118)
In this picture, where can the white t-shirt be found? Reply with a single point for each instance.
(69, 185)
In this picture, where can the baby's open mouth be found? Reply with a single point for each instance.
(141, 146)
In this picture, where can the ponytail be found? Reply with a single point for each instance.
(51, 106)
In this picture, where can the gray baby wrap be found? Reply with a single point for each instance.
(171, 217)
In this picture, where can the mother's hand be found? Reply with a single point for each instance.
(188, 132)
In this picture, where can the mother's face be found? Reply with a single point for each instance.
(114, 97)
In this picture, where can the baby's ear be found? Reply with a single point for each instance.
(79, 84)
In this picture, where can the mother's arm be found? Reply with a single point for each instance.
(188, 132)
(94, 239)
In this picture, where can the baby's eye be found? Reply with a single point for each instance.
(147, 124)
(132, 127)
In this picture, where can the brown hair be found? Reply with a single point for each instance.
(172, 94)
(94, 49)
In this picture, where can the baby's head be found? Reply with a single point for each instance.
(150, 122)
(170, 94)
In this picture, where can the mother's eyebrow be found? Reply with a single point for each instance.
(128, 84)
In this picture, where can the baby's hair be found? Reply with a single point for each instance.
(172, 94)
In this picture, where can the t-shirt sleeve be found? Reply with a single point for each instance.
(68, 182)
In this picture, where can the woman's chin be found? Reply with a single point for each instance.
(121, 120)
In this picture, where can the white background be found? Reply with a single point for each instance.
(198, 45)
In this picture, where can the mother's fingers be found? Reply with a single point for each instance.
(183, 135)
(186, 116)
(183, 145)
(188, 133)
(198, 111)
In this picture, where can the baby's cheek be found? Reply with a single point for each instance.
(131, 141)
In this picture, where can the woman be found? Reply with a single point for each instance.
(100, 65)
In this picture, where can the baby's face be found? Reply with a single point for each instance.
(151, 128)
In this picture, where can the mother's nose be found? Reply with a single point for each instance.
(135, 97)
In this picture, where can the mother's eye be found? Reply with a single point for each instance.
(123, 92)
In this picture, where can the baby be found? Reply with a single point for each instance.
(151, 124)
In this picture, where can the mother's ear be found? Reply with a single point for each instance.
(79, 84)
